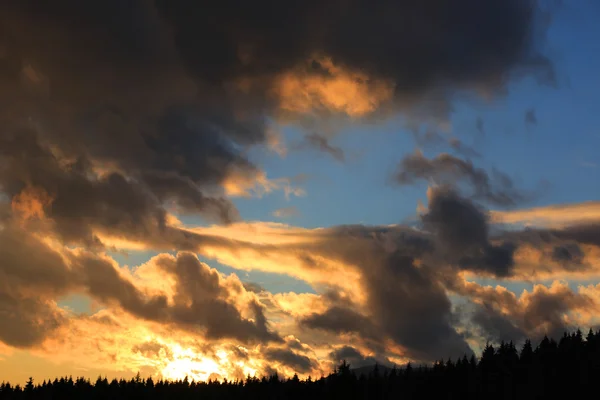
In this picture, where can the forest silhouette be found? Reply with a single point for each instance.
(553, 369)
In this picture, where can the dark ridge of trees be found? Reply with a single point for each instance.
(562, 369)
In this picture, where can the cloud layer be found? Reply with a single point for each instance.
(118, 119)
(393, 297)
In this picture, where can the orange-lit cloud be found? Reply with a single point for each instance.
(114, 147)
(242, 183)
(336, 89)
(554, 216)
(129, 345)
(545, 310)
(355, 270)
(31, 202)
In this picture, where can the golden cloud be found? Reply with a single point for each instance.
(554, 216)
(336, 89)
(30, 203)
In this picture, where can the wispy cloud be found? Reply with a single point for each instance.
(286, 212)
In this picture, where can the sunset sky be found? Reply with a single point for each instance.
(233, 188)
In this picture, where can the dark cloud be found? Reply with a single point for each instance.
(81, 200)
(568, 254)
(462, 234)
(34, 275)
(170, 94)
(31, 275)
(495, 326)
(355, 358)
(27, 321)
(339, 319)
(298, 362)
(104, 282)
(584, 233)
(432, 140)
(239, 353)
(322, 143)
(496, 188)
(296, 344)
(404, 302)
(411, 306)
(201, 300)
(565, 246)
(116, 110)
(502, 315)
(242, 39)
(463, 149)
(530, 117)
(406, 275)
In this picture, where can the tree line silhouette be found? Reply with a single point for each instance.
(553, 369)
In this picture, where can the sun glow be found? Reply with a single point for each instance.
(187, 363)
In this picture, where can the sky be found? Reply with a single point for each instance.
(243, 188)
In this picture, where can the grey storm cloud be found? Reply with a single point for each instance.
(340, 319)
(355, 358)
(568, 254)
(409, 303)
(495, 188)
(298, 362)
(490, 36)
(405, 303)
(151, 88)
(462, 233)
(496, 327)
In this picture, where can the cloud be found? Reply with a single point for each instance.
(461, 230)
(195, 297)
(355, 358)
(530, 117)
(338, 319)
(32, 275)
(553, 216)
(546, 310)
(322, 143)
(568, 253)
(374, 267)
(286, 212)
(399, 265)
(495, 188)
(297, 362)
(462, 149)
(99, 151)
(140, 120)
(268, 51)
